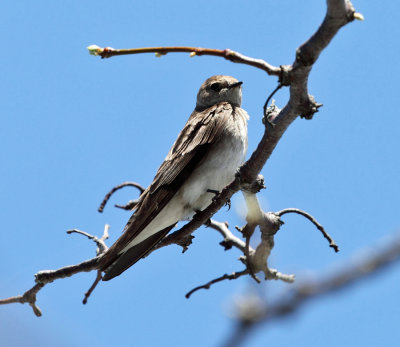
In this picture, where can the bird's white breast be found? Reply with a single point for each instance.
(219, 166)
(216, 170)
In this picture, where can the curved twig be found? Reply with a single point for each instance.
(312, 220)
(265, 107)
(232, 276)
(119, 186)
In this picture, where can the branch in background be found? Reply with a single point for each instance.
(250, 316)
(232, 276)
(44, 277)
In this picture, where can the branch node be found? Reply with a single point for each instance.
(309, 108)
(285, 75)
(160, 54)
(185, 242)
(270, 113)
(256, 186)
(107, 52)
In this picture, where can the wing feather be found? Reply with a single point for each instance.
(200, 132)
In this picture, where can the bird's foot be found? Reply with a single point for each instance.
(216, 192)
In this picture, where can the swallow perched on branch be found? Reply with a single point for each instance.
(203, 159)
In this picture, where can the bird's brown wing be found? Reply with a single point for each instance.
(200, 132)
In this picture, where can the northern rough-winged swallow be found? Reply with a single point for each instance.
(203, 159)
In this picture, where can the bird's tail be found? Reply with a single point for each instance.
(132, 255)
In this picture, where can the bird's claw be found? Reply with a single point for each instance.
(216, 192)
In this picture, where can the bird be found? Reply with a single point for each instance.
(202, 161)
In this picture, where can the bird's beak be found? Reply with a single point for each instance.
(234, 85)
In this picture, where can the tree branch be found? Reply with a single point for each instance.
(234, 57)
(339, 13)
(307, 290)
(44, 277)
(276, 121)
(232, 276)
(312, 220)
(255, 260)
(119, 186)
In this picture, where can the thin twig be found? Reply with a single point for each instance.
(28, 297)
(312, 220)
(47, 276)
(92, 288)
(228, 54)
(230, 240)
(102, 247)
(265, 107)
(112, 191)
(232, 276)
(129, 206)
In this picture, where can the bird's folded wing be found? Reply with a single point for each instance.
(200, 132)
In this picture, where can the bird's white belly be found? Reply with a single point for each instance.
(216, 171)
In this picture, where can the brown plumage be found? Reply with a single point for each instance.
(192, 157)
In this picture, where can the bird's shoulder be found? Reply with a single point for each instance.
(202, 127)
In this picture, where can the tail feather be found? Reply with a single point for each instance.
(133, 254)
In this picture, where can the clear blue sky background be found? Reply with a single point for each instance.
(72, 126)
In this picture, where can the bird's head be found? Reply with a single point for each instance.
(217, 89)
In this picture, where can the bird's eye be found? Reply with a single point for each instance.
(216, 87)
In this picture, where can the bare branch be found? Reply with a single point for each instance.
(312, 220)
(93, 287)
(129, 206)
(47, 276)
(228, 54)
(102, 247)
(339, 13)
(232, 276)
(28, 297)
(230, 240)
(301, 103)
(112, 191)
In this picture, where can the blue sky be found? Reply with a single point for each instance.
(73, 126)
